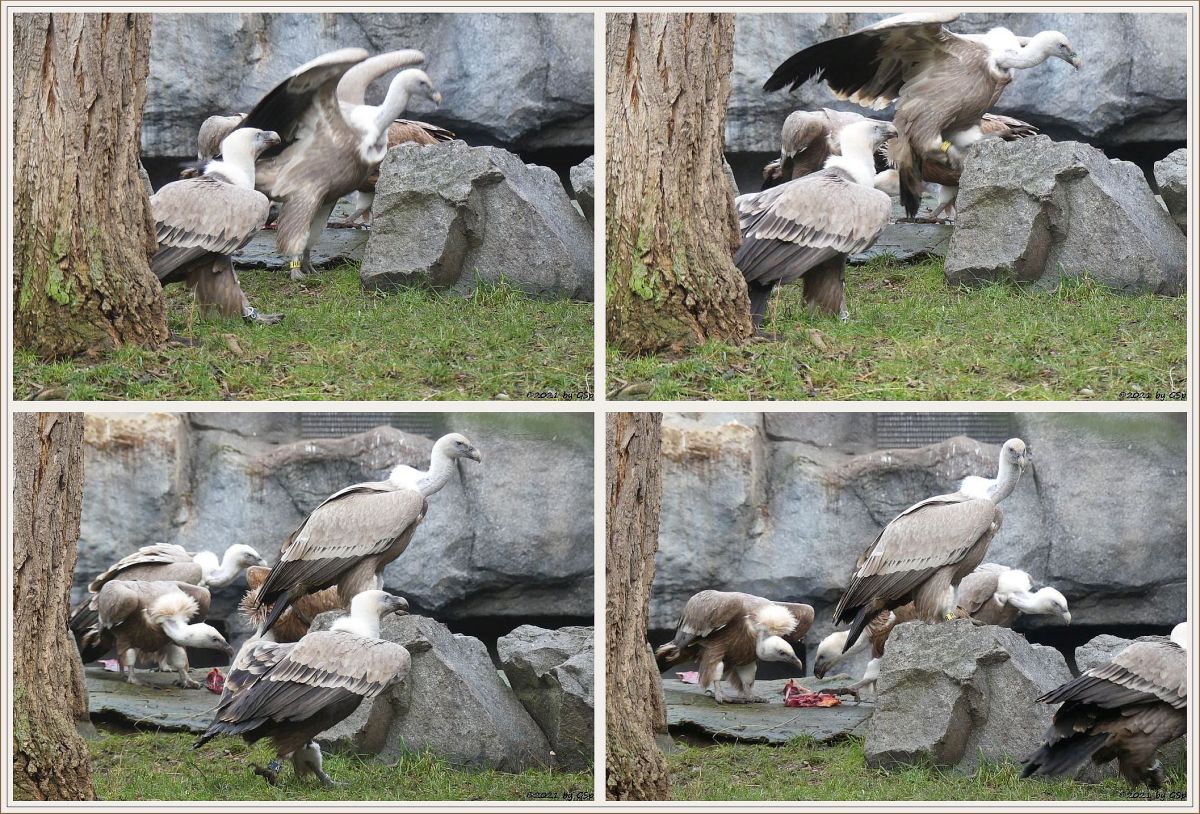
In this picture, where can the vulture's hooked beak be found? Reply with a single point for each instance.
(474, 455)
(398, 605)
(436, 97)
(819, 669)
(227, 650)
(1076, 61)
(1066, 617)
(271, 138)
(799, 664)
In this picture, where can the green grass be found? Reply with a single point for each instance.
(912, 337)
(805, 770)
(163, 766)
(339, 342)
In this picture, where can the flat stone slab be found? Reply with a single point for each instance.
(771, 723)
(337, 245)
(909, 241)
(161, 705)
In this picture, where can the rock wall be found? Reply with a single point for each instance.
(520, 80)
(782, 505)
(1132, 89)
(511, 538)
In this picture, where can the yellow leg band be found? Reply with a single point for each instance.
(292, 264)
(945, 148)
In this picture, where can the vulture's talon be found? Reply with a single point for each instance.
(266, 773)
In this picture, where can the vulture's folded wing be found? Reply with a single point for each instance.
(1147, 670)
(158, 554)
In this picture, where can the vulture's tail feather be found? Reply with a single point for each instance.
(1060, 757)
(760, 295)
(861, 619)
(281, 604)
(95, 643)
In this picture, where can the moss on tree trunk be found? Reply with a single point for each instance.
(83, 231)
(672, 226)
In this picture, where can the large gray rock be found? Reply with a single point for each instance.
(783, 504)
(1098, 650)
(451, 216)
(1035, 211)
(158, 704)
(1170, 175)
(522, 80)
(950, 693)
(583, 181)
(1132, 87)
(553, 674)
(511, 537)
(453, 703)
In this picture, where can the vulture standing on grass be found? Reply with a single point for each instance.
(1125, 709)
(291, 693)
(730, 633)
(202, 221)
(158, 618)
(942, 83)
(992, 594)
(806, 228)
(169, 562)
(923, 554)
(350, 538)
(324, 154)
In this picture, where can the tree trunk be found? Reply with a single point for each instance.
(635, 711)
(672, 227)
(50, 759)
(83, 228)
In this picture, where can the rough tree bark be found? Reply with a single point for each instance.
(635, 712)
(83, 228)
(50, 759)
(672, 226)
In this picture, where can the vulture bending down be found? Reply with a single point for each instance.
(992, 594)
(923, 554)
(1125, 710)
(806, 228)
(807, 140)
(154, 618)
(169, 562)
(291, 693)
(294, 622)
(350, 538)
(729, 633)
(324, 154)
(201, 221)
(942, 82)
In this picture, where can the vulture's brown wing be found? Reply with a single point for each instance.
(196, 217)
(977, 587)
(355, 523)
(793, 227)
(710, 611)
(923, 539)
(318, 671)
(805, 130)
(404, 131)
(212, 132)
(158, 554)
(253, 661)
(1006, 127)
(117, 601)
(287, 107)
(1153, 668)
(803, 614)
(867, 66)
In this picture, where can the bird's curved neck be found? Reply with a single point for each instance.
(176, 630)
(1029, 55)
(1024, 601)
(857, 159)
(237, 165)
(441, 468)
(363, 620)
(225, 573)
(1005, 481)
(393, 105)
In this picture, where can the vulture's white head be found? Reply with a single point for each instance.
(243, 556)
(1049, 601)
(1179, 635)
(829, 652)
(1015, 453)
(199, 635)
(367, 609)
(1055, 44)
(417, 83)
(773, 648)
(455, 446)
(859, 142)
(239, 150)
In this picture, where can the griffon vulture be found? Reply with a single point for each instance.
(350, 538)
(290, 693)
(730, 633)
(923, 554)
(153, 619)
(201, 221)
(807, 140)
(169, 562)
(324, 154)
(942, 82)
(992, 594)
(1125, 710)
(806, 228)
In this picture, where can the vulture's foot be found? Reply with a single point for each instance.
(256, 317)
(295, 269)
(188, 684)
(851, 691)
(844, 316)
(327, 781)
(1155, 777)
(754, 699)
